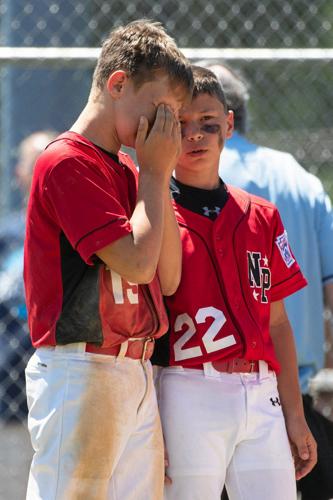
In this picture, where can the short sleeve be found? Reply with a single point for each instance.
(85, 203)
(286, 276)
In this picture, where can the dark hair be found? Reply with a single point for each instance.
(141, 48)
(206, 82)
(235, 89)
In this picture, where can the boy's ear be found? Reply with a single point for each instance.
(230, 124)
(116, 83)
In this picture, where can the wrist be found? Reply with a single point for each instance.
(293, 415)
(150, 175)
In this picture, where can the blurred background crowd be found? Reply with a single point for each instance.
(284, 49)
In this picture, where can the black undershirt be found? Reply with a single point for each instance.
(207, 202)
(112, 155)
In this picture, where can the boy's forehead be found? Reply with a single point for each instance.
(180, 94)
(202, 103)
(164, 87)
(176, 90)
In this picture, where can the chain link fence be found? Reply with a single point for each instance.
(290, 109)
(194, 23)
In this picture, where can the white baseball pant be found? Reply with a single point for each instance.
(225, 428)
(94, 426)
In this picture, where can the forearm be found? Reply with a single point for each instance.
(328, 296)
(147, 222)
(170, 262)
(303, 445)
(288, 384)
(135, 257)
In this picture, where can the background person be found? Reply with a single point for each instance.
(15, 344)
(306, 212)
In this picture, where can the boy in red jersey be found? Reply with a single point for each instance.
(97, 252)
(229, 394)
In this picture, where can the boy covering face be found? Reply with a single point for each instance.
(229, 396)
(96, 258)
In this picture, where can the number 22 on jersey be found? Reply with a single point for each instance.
(209, 338)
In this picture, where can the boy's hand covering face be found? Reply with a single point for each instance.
(158, 146)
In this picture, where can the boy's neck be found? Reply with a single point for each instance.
(95, 123)
(208, 181)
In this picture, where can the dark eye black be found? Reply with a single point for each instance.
(211, 128)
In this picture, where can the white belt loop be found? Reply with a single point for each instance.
(75, 347)
(176, 368)
(145, 347)
(263, 369)
(210, 371)
(123, 350)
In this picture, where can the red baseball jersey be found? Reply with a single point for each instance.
(81, 201)
(233, 268)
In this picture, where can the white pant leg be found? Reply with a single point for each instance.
(139, 474)
(224, 424)
(262, 466)
(82, 412)
(261, 484)
(198, 487)
(197, 432)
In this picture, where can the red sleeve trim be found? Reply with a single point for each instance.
(97, 229)
(287, 287)
(101, 237)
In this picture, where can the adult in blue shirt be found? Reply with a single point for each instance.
(307, 216)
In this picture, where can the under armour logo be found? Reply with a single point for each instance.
(207, 211)
(275, 402)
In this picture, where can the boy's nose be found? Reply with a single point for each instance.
(193, 133)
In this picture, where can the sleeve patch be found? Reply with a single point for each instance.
(284, 248)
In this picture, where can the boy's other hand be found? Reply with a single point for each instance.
(303, 446)
(158, 149)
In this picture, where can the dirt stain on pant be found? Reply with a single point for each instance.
(114, 394)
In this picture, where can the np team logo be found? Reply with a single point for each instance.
(259, 275)
(283, 245)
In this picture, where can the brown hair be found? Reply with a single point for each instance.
(141, 48)
(206, 82)
(235, 88)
